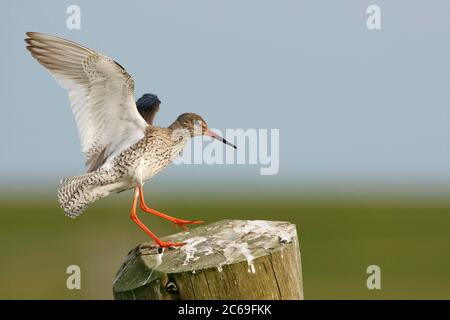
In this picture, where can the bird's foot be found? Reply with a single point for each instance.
(182, 223)
(168, 244)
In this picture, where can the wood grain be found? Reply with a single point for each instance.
(226, 260)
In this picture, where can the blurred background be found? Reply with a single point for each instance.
(364, 138)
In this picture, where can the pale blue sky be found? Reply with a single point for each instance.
(351, 104)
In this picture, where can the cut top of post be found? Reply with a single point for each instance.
(211, 246)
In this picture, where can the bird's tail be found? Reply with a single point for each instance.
(76, 193)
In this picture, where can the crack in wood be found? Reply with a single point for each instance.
(224, 260)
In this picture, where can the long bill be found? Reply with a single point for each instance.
(216, 136)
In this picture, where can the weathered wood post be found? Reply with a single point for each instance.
(229, 259)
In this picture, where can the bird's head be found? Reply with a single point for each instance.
(196, 126)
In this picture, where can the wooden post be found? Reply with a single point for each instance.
(229, 259)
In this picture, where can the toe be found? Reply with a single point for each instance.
(169, 244)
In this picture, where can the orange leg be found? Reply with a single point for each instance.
(179, 222)
(134, 217)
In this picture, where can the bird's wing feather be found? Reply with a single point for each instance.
(101, 95)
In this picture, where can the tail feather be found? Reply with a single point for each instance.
(76, 193)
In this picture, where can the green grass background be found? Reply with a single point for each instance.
(407, 237)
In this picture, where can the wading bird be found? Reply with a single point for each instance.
(122, 149)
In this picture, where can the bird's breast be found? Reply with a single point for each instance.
(156, 158)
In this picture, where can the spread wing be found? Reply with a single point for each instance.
(101, 95)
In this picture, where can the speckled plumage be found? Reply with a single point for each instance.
(122, 149)
(132, 167)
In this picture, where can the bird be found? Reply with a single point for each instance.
(122, 149)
